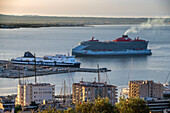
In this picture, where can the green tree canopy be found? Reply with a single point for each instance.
(17, 108)
(102, 105)
(131, 105)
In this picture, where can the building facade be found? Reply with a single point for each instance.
(26, 93)
(88, 91)
(159, 106)
(142, 88)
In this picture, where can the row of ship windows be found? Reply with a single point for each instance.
(115, 49)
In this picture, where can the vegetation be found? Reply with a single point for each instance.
(131, 105)
(102, 105)
(34, 21)
(17, 108)
(9, 19)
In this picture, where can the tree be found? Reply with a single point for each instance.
(131, 105)
(17, 108)
(100, 105)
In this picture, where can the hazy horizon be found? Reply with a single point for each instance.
(89, 16)
(88, 8)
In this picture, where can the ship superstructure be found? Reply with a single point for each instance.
(57, 60)
(120, 46)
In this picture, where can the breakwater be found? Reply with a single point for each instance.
(9, 70)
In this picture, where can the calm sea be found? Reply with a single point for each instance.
(49, 41)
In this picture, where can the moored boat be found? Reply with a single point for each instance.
(57, 60)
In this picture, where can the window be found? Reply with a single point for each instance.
(85, 99)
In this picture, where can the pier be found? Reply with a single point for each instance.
(9, 70)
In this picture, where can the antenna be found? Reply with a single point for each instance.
(98, 73)
(106, 76)
(130, 71)
(69, 88)
(22, 75)
(35, 68)
(19, 74)
(68, 52)
(64, 92)
(94, 79)
(131, 68)
(167, 77)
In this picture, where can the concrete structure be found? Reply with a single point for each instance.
(34, 92)
(166, 91)
(88, 91)
(7, 103)
(6, 107)
(142, 88)
(158, 106)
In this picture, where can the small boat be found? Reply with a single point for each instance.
(57, 60)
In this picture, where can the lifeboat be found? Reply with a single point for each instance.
(125, 38)
(137, 39)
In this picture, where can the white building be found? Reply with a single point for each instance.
(34, 92)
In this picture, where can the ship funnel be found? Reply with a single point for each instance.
(28, 54)
(124, 35)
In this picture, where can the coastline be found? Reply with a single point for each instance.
(20, 25)
(13, 21)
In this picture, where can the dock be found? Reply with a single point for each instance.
(9, 70)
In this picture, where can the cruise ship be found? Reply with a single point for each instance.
(57, 60)
(120, 46)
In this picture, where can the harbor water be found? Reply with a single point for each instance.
(60, 40)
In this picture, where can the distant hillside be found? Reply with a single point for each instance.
(10, 19)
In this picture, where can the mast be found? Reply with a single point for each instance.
(64, 92)
(19, 74)
(106, 77)
(131, 68)
(167, 78)
(35, 68)
(98, 73)
(130, 71)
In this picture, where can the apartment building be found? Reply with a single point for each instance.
(26, 93)
(88, 91)
(142, 88)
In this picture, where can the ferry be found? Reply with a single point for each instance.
(120, 46)
(57, 60)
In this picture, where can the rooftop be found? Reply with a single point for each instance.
(93, 84)
(38, 84)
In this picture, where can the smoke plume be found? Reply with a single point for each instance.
(147, 25)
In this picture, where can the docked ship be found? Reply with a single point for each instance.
(57, 60)
(120, 46)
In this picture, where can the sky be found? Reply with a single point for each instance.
(87, 8)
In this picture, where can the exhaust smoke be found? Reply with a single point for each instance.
(147, 25)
